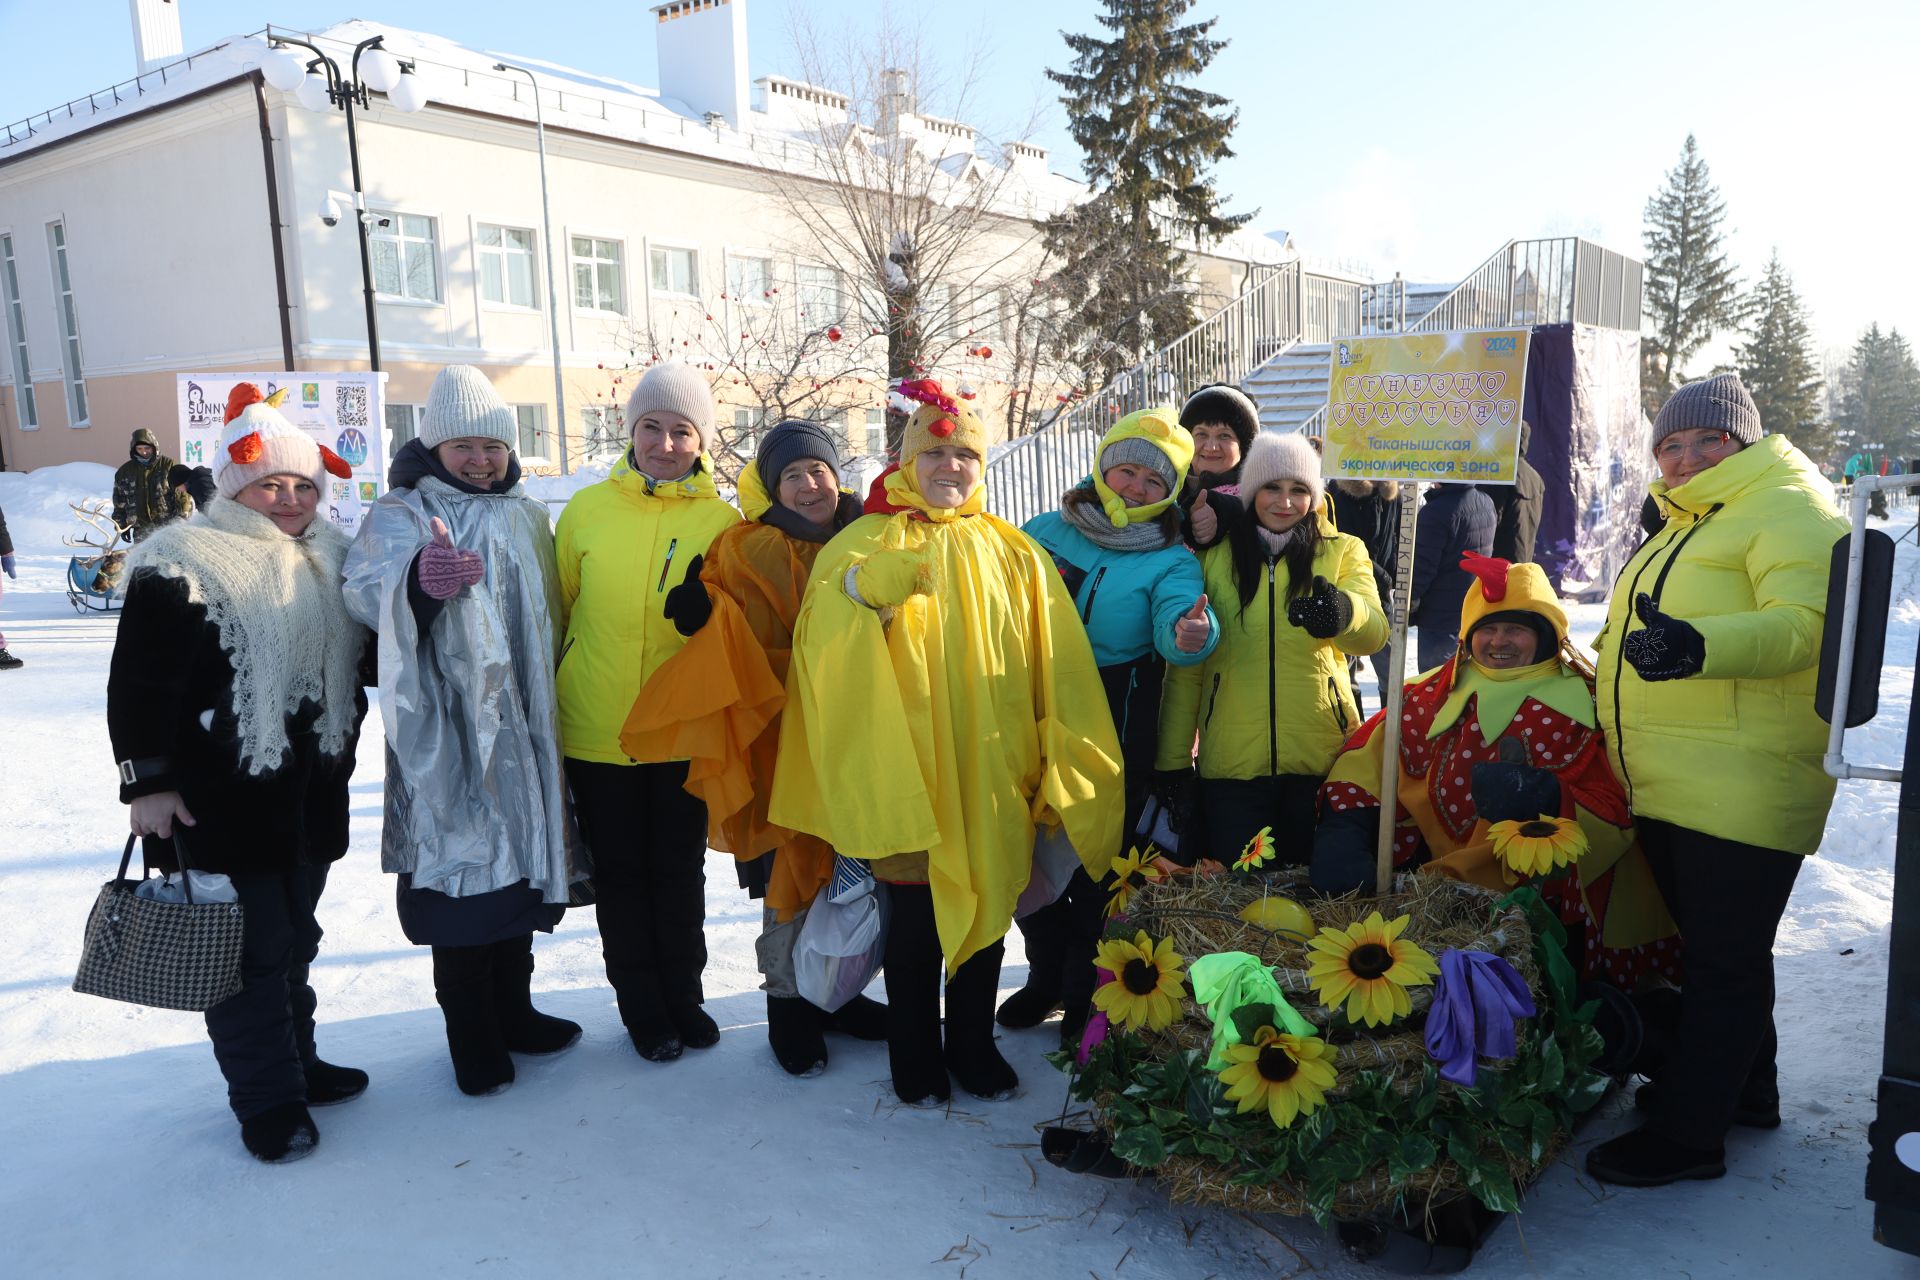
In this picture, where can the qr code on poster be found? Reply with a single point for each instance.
(350, 405)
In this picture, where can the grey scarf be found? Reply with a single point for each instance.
(1090, 518)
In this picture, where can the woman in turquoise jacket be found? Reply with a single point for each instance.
(1116, 540)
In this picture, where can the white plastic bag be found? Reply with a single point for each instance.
(1054, 863)
(839, 948)
(208, 886)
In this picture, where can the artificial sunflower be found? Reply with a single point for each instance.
(1258, 853)
(1287, 1075)
(1369, 967)
(1147, 983)
(1130, 875)
(1539, 846)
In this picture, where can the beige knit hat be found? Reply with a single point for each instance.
(258, 442)
(676, 386)
(464, 404)
(1277, 455)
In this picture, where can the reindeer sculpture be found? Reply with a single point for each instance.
(93, 582)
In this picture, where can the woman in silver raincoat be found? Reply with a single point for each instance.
(454, 568)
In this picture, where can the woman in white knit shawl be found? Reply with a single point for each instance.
(234, 705)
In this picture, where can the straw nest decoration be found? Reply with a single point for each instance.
(1392, 1138)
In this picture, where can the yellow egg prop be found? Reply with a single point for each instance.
(1280, 915)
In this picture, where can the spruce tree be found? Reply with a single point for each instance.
(1691, 288)
(1777, 363)
(1148, 137)
(1880, 395)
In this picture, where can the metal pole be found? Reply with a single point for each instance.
(1395, 692)
(349, 91)
(553, 302)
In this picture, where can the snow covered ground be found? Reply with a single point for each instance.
(597, 1163)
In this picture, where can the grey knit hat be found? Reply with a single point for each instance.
(1278, 455)
(676, 386)
(1143, 453)
(1719, 403)
(790, 441)
(1226, 404)
(464, 404)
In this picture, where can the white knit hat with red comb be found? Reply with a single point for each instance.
(259, 441)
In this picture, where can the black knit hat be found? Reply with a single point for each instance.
(1538, 624)
(791, 440)
(1226, 404)
(1719, 403)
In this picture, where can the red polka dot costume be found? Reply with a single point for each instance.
(1608, 898)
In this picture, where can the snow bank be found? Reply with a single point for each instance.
(35, 503)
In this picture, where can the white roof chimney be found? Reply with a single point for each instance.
(156, 32)
(702, 45)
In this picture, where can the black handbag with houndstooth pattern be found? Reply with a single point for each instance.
(165, 955)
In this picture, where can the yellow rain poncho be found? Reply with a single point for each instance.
(956, 725)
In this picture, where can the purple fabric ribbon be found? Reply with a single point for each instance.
(1097, 1025)
(1475, 1002)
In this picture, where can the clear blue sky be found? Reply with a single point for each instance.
(1410, 136)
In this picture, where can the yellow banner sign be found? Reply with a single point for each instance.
(1427, 406)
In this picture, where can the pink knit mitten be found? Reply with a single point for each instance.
(443, 569)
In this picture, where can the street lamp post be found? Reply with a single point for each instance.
(384, 74)
(553, 304)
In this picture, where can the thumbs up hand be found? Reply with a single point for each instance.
(688, 606)
(1191, 631)
(1323, 612)
(1203, 519)
(442, 569)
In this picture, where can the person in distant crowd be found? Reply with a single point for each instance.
(234, 703)
(1707, 667)
(1116, 541)
(717, 702)
(1505, 729)
(143, 494)
(621, 545)
(7, 661)
(943, 703)
(1455, 519)
(1370, 511)
(1223, 422)
(193, 487)
(1272, 705)
(453, 568)
(1517, 507)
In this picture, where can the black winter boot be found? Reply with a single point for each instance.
(281, 1134)
(1046, 932)
(860, 1018)
(328, 1085)
(524, 1028)
(912, 968)
(1757, 1108)
(696, 1027)
(794, 1027)
(970, 1052)
(9, 663)
(463, 984)
(1645, 1158)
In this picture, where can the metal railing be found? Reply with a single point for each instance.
(1286, 305)
(1565, 280)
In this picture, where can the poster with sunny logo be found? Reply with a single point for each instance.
(1427, 406)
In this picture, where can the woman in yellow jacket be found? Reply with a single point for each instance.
(1272, 705)
(621, 546)
(943, 702)
(1705, 691)
(717, 702)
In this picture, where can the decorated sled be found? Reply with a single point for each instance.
(93, 581)
(1400, 1067)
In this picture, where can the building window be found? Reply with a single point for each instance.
(405, 257)
(597, 275)
(876, 432)
(605, 430)
(17, 327)
(506, 264)
(750, 280)
(69, 326)
(533, 429)
(674, 270)
(986, 313)
(745, 442)
(820, 299)
(403, 424)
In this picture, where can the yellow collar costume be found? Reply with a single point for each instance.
(960, 721)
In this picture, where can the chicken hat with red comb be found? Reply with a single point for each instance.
(258, 442)
(1506, 592)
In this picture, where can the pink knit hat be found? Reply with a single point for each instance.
(259, 441)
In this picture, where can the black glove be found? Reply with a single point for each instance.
(1173, 788)
(1323, 613)
(688, 606)
(1665, 648)
(1513, 792)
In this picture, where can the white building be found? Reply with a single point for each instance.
(174, 224)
